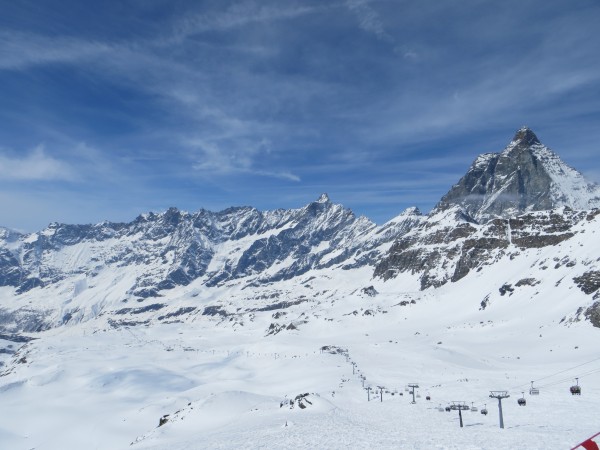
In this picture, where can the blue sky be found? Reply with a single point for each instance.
(112, 109)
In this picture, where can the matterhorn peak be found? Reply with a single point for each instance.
(523, 141)
(525, 136)
(526, 176)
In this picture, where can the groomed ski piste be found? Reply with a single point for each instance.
(228, 381)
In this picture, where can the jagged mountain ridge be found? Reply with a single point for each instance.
(244, 248)
(526, 176)
(174, 248)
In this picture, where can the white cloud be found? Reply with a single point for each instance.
(37, 166)
(238, 15)
(21, 50)
(216, 160)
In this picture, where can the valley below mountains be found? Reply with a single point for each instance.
(262, 329)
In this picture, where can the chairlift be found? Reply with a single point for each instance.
(576, 390)
(522, 401)
(448, 409)
(440, 408)
(418, 395)
(484, 410)
(428, 397)
(406, 389)
(533, 390)
(473, 407)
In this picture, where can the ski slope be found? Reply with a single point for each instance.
(221, 383)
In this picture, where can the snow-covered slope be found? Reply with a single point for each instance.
(220, 366)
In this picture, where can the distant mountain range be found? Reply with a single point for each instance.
(522, 198)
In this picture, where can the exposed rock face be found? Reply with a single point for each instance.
(589, 282)
(526, 176)
(445, 248)
(593, 314)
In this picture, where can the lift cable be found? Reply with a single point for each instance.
(557, 373)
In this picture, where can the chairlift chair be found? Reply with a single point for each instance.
(576, 389)
(448, 409)
(473, 407)
(484, 410)
(418, 395)
(440, 408)
(533, 390)
(522, 401)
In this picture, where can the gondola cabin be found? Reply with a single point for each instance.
(576, 389)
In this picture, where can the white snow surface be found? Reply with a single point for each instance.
(222, 364)
(569, 187)
(222, 378)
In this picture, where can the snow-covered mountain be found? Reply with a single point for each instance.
(522, 198)
(245, 328)
(526, 176)
(158, 252)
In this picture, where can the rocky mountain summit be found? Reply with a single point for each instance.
(526, 176)
(525, 197)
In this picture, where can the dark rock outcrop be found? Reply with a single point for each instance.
(589, 282)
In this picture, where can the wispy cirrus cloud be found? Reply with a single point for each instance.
(241, 157)
(238, 15)
(20, 50)
(36, 166)
(368, 18)
(192, 100)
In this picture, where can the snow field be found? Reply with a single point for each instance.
(84, 387)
